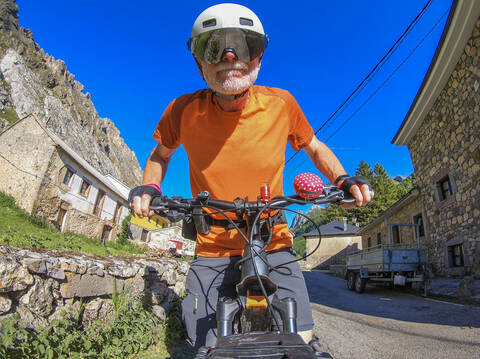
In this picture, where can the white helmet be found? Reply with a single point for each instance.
(224, 16)
(227, 27)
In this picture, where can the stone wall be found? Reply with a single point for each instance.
(448, 144)
(404, 214)
(39, 286)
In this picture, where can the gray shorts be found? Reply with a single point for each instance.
(209, 278)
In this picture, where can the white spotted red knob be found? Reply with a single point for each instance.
(308, 185)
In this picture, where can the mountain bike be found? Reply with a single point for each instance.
(247, 326)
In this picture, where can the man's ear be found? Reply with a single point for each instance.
(199, 65)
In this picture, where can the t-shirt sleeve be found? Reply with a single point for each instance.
(167, 132)
(301, 133)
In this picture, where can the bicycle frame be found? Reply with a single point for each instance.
(256, 291)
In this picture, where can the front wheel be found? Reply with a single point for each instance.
(351, 280)
(360, 283)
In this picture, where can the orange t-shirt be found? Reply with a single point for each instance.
(232, 153)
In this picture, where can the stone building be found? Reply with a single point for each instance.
(338, 239)
(442, 132)
(50, 180)
(407, 210)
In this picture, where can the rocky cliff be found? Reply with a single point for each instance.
(33, 81)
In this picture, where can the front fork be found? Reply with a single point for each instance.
(227, 308)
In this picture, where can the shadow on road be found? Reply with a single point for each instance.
(380, 302)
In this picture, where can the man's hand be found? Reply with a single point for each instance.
(360, 189)
(140, 198)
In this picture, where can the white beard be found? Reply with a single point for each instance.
(232, 84)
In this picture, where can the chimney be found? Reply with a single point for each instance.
(344, 224)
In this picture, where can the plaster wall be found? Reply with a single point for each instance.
(25, 151)
(332, 249)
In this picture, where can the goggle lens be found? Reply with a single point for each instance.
(211, 45)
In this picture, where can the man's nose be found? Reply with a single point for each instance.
(229, 55)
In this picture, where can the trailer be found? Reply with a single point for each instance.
(396, 264)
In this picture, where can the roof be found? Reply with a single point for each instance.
(152, 223)
(458, 29)
(77, 158)
(402, 202)
(334, 228)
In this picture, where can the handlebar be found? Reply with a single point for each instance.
(178, 207)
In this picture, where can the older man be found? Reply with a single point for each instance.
(235, 135)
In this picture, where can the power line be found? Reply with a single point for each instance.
(385, 81)
(375, 69)
(389, 77)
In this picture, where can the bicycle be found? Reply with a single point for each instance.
(251, 313)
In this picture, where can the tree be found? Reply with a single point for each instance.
(387, 192)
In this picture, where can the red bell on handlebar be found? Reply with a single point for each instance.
(308, 185)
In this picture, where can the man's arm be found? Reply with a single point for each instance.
(329, 165)
(154, 173)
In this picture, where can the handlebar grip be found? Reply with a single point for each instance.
(349, 199)
(157, 202)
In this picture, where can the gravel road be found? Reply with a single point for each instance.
(383, 323)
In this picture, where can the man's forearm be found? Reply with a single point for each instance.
(324, 160)
(156, 166)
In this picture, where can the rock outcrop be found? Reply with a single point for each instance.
(33, 81)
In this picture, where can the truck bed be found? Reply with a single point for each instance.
(396, 258)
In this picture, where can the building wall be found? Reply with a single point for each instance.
(403, 215)
(448, 144)
(36, 182)
(28, 150)
(332, 249)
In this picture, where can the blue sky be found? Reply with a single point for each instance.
(133, 60)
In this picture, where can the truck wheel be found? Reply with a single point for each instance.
(360, 283)
(351, 281)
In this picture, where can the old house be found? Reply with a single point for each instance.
(407, 210)
(338, 239)
(442, 132)
(49, 179)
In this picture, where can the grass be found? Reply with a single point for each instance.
(19, 229)
(133, 332)
(9, 114)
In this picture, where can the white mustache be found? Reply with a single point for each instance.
(235, 66)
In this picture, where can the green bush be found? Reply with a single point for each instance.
(7, 201)
(300, 246)
(122, 238)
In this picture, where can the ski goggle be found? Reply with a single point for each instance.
(210, 46)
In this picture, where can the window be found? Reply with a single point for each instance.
(379, 239)
(396, 234)
(97, 210)
(106, 233)
(117, 213)
(455, 253)
(143, 237)
(418, 219)
(445, 188)
(85, 188)
(68, 177)
(369, 242)
(61, 216)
